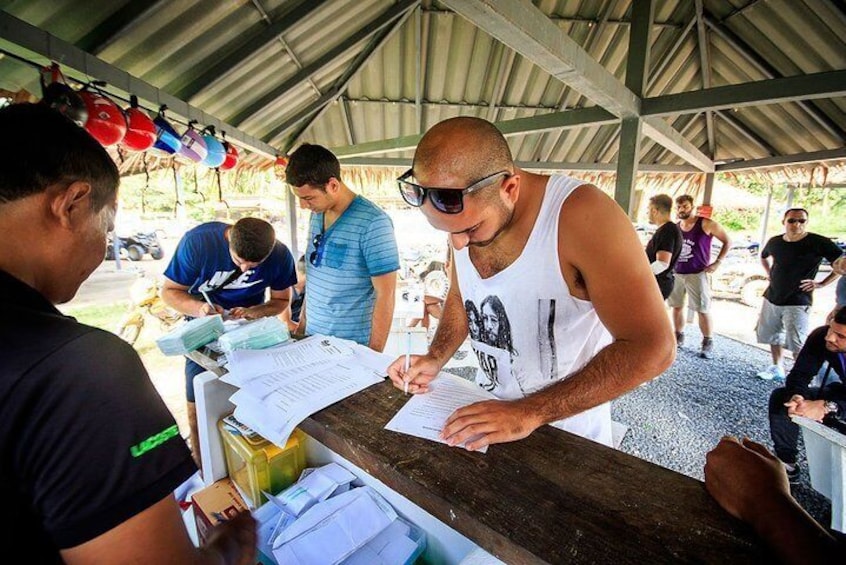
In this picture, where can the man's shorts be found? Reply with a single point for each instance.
(192, 369)
(697, 287)
(783, 325)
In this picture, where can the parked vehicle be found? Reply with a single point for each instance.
(135, 246)
(741, 280)
(146, 304)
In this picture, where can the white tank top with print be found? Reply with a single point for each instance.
(526, 330)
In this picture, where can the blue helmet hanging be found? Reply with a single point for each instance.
(167, 140)
(216, 151)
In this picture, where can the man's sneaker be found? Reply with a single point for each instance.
(772, 373)
(679, 339)
(792, 472)
(707, 350)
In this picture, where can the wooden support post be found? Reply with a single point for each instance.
(630, 134)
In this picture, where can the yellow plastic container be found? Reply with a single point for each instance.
(257, 466)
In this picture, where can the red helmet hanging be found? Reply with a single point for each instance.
(140, 131)
(106, 122)
(231, 156)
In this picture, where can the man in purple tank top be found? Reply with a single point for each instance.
(692, 270)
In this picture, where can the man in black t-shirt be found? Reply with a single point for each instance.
(89, 453)
(791, 261)
(665, 246)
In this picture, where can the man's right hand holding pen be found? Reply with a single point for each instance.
(422, 369)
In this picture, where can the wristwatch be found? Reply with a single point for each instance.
(830, 407)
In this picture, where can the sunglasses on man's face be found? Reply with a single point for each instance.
(317, 255)
(446, 200)
(796, 220)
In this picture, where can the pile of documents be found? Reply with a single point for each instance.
(259, 334)
(281, 386)
(324, 519)
(191, 335)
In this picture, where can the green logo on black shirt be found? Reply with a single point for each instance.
(154, 441)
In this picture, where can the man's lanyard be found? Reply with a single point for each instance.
(232, 276)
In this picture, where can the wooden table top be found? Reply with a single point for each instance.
(552, 497)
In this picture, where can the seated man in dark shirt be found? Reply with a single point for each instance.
(89, 453)
(826, 404)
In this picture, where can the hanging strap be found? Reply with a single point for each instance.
(232, 276)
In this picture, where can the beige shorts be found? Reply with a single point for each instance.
(697, 287)
(783, 325)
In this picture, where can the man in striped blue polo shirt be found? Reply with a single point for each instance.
(351, 258)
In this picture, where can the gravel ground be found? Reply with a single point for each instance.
(675, 419)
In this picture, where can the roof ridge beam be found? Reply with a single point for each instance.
(243, 52)
(827, 84)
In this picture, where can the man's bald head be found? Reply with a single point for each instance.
(464, 148)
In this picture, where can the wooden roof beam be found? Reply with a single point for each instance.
(828, 84)
(405, 162)
(785, 160)
(593, 116)
(530, 32)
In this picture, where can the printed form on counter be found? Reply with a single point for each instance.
(425, 415)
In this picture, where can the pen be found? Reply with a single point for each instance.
(407, 361)
(208, 300)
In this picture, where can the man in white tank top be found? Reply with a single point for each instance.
(550, 282)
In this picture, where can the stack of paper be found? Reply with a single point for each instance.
(191, 335)
(340, 524)
(260, 334)
(281, 386)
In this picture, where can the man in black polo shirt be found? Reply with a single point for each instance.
(89, 453)
(825, 344)
(791, 260)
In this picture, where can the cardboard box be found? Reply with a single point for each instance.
(214, 504)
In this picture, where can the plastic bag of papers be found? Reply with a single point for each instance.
(259, 334)
(191, 335)
(342, 524)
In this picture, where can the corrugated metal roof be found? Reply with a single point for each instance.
(344, 72)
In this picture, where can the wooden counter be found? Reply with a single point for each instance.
(553, 497)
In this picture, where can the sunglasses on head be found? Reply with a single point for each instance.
(317, 255)
(446, 200)
(796, 220)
